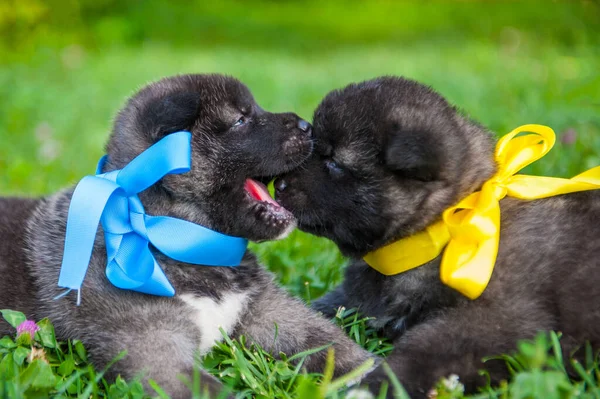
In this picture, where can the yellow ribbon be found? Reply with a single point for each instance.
(470, 230)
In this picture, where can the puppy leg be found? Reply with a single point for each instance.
(159, 348)
(329, 303)
(456, 341)
(166, 363)
(280, 323)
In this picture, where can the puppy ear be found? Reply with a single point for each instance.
(412, 155)
(177, 111)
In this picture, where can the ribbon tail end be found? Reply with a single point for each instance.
(67, 291)
(62, 294)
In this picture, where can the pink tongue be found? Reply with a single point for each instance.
(259, 191)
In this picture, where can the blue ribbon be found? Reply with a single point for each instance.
(111, 198)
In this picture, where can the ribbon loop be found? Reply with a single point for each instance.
(111, 199)
(471, 229)
(147, 168)
(515, 153)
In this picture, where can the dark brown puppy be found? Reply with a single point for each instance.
(233, 140)
(390, 156)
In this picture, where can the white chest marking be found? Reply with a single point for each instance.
(210, 315)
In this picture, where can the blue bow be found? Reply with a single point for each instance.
(111, 198)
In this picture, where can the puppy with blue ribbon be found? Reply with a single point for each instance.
(156, 240)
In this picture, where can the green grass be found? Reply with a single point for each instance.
(42, 367)
(67, 67)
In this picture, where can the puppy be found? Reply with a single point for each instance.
(233, 142)
(390, 156)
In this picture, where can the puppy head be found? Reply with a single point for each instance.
(390, 155)
(235, 145)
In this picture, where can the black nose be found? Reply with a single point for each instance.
(303, 125)
(280, 185)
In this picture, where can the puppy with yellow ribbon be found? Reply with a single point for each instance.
(456, 256)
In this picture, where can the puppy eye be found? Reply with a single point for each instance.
(333, 167)
(240, 121)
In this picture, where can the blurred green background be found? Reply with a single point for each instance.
(67, 66)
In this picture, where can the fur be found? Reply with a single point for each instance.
(232, 139)
(390, 156)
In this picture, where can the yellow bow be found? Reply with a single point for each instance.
(471, 229)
